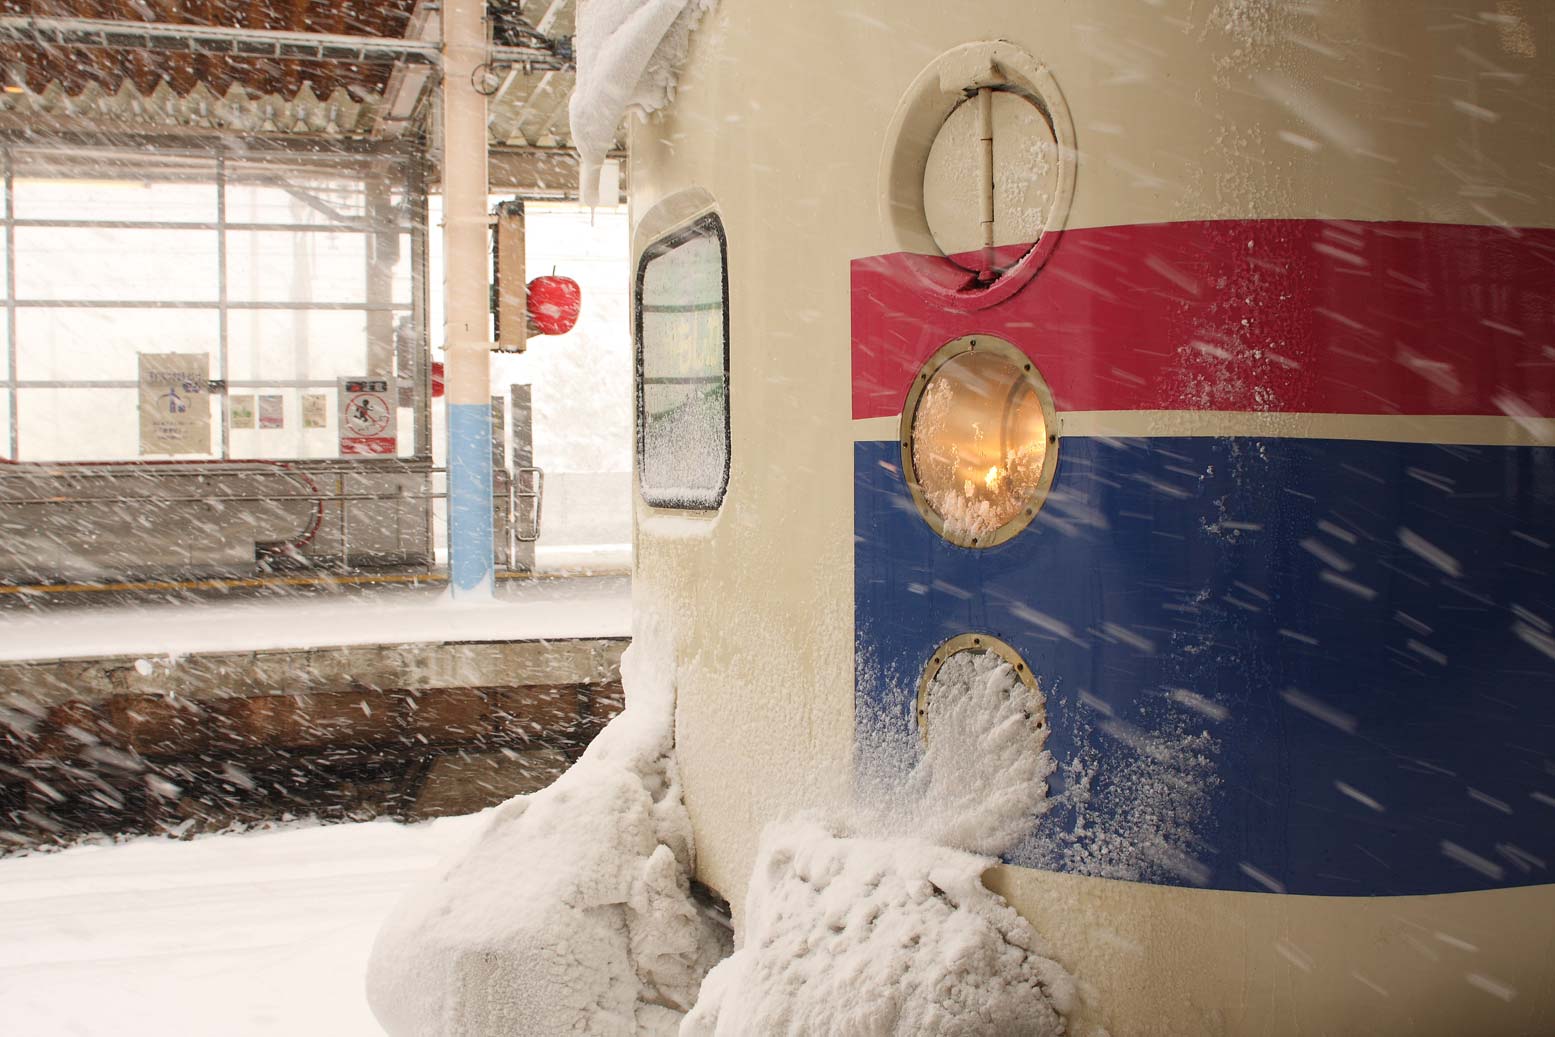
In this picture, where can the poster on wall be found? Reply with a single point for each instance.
(175, 408)
(272, 412)
(315, 410)
(368, 417)
(240, 410)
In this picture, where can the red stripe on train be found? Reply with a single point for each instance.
(1248, 315)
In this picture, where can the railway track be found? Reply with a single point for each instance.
(128, 745)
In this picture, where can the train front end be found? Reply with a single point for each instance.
(1197, 360)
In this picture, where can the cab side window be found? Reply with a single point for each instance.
(682, 331)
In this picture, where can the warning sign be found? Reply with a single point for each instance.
(175, 407)
(367, 416)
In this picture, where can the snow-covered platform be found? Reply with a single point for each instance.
(571, 606)
(361, 702)
(234, 934)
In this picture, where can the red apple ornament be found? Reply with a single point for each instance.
(554, 303)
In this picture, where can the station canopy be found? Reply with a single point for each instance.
(310, 69)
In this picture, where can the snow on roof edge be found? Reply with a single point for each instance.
(628, 55)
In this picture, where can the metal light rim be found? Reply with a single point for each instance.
(1033, 504)
(974, 642)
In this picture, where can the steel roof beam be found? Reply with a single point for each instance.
(242, 43)
(548, 19)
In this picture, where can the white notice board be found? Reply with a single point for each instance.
(175, 405)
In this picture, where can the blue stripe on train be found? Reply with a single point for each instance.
(1376, 718)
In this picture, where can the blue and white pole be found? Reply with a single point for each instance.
(466, 302)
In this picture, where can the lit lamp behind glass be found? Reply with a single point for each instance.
(978, 445)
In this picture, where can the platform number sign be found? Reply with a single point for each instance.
(367, 417)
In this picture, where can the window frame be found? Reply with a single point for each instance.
(698, 227)
(211, 164)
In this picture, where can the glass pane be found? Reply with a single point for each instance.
(70, 344)
(87, 424)
(682, 311)
(684, 445)
(297, 266)
(686, 344)
(353, 250)
(289, 196)
(684, 401)
(287, 345)
(138, 200)
(979, 442)
(399, 267)
(113, 263)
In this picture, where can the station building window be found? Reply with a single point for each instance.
(274, 273)
(682, 332)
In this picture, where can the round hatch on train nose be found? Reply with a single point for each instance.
(975, 664)
(979, 441)
(990, 181)
(978, 173)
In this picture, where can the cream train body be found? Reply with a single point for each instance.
(1287, 258)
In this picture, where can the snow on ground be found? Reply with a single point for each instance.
(229, 935)
(522, 609)
(572, 912)
(586, 558)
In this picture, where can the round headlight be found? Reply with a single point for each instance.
(979, 441)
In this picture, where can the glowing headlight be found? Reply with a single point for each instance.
(979, 441)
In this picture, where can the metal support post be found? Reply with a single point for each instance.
(526, 483)
(466, 303)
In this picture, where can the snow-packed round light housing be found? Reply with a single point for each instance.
(979, 441)
(965, 654)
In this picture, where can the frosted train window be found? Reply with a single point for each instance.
(979, 441)
(682, 324)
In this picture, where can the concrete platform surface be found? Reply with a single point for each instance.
(570, 607)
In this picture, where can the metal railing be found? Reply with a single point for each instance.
(525, 484)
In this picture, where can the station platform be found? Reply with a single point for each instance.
(262, 933)
(341, 613)
(349, 702)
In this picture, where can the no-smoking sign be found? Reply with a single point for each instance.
(368, 410)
